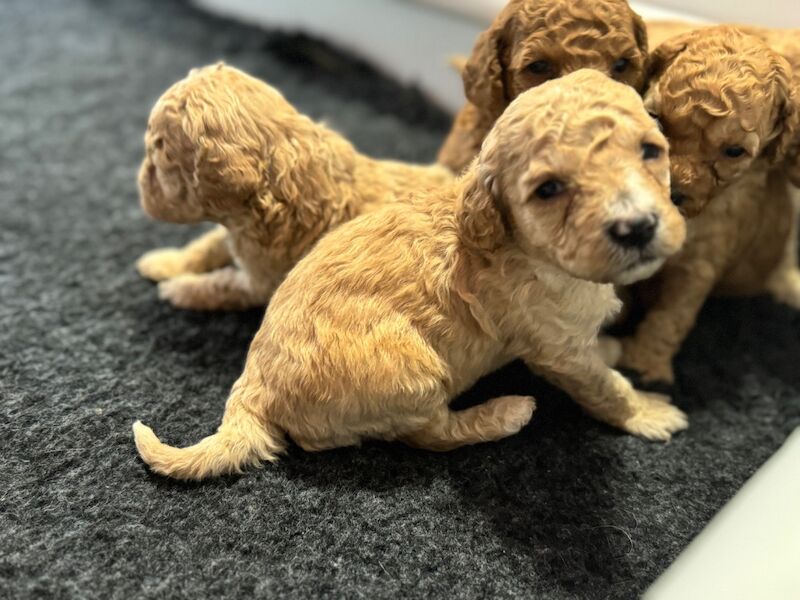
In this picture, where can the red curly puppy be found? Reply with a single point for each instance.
(533, 41)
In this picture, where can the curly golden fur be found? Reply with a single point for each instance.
(729, 111)
(533, 41)
(785, 42)
(224, 147)
(392, 315)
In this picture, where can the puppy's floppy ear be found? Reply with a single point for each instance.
(787, 121)
(308, 173)
(484, 72)
(661, 57)
(480, 221)
(640, 33)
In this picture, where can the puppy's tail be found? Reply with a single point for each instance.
(243, 440)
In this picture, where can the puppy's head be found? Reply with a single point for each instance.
(724, 101)
(221, 144)
(576, 172)
(533, 41)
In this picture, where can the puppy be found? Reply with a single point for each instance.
(727, 107)
(227, 148)
(785, 42)
(394, 314)
(533, 41)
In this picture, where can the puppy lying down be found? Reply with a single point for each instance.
(394, 314)
(224, 147)
(728, 108)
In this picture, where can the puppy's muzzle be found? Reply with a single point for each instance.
(636, 233)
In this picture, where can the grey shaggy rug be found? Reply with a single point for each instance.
(569, 508)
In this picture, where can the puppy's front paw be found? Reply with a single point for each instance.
(655, 418)
(651, 368)
(161, 264)
(515, 411)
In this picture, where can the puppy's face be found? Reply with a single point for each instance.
(531, 42)
(724, 102)
(579, 173)
(165, 189)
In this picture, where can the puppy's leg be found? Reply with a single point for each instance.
(490, 421)
(658, 338)
(225, 289)
(207, 253)
(784, 282)
(607, 395)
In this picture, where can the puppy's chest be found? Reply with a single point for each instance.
(745, 231)
(557, 306)
(260, 261)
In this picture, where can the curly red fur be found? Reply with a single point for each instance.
(225, 147)
(569, 35)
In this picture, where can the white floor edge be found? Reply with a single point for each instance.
(751, 549)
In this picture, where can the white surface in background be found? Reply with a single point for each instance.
(410, 40)
(751, 548)
(485, 10)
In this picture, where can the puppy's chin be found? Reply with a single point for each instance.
(637, 272)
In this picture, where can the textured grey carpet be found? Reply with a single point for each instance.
(569, 508)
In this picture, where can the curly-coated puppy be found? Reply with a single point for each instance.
(394, 314)
(727, 107)
(785, 42)
(533, 41)
(224, 147)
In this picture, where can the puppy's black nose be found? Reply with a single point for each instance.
(634, 233)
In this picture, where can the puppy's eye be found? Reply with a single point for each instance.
(734, 151)
(678, 198)
(621, 65)
(540, 67)
(651, 151)
(550, 189)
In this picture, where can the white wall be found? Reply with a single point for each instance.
(412, 40)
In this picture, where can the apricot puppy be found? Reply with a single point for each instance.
(727, 106)
(224, 147)
(785, 42)
(533, 41)
(394, 314)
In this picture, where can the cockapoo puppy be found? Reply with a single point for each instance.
(394, 314)
(224, 147)
(533, 41)
(727, 106)
(785, 42)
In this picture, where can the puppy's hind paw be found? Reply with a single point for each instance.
(161, 264)
(655, 418)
